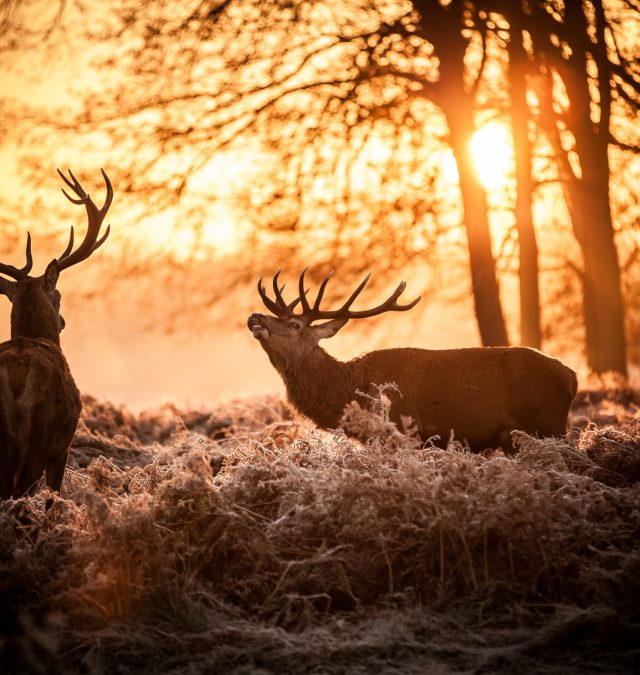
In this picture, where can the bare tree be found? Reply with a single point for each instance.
(318, 83)
(311, 89)
(519, 66)
(578, 49)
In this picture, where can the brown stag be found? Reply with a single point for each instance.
(40, 403)
(479, 394)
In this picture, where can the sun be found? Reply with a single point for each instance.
(492, 152)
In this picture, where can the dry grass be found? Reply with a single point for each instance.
(245, 540)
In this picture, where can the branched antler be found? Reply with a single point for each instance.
(281, 308)
(23, 272)
(95, 217)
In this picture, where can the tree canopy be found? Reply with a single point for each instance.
(339, 117)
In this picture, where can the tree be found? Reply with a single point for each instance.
(311, 88)
(301, 75)
(578, 51)
(519, 66)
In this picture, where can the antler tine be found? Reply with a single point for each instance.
(277, 291)
(354, 295)
(75, 186)
(102, 239)
(23, 272)
(306, 309)
(323, 285)
(345, 311)
(272, 306)
(389, 305)
(69, 248)
(95, 217)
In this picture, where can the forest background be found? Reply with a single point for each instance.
(486, 152)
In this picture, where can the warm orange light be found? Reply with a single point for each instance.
(492, 153)
(449, 167)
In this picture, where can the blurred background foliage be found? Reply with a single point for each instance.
(483, 149)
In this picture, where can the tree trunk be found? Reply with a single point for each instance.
(486, 293)
(443, 27)
(528, 275)
(593, 226)
(603, 307)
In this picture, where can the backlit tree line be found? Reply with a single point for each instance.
(317, 84)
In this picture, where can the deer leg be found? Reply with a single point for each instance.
(27, 479)
(8, 464)
(6, 482)
(505, 442)
(55, 471)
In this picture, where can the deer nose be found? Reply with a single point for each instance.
(254, 320)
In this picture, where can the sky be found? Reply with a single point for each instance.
(115, 354)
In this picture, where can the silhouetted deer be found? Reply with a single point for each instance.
(40, 403)
(481, 394)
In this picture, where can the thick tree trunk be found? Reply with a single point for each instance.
(603, 307)
(486, 292)
(591, 204)
(528, 274)
(588, 203)
(586, 189)
(443, 26)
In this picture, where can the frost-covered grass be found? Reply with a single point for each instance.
(245, 539)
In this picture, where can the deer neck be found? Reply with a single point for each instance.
(34, 319)
(319, 386)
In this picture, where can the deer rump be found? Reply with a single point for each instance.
(480, 394)
(40, 410)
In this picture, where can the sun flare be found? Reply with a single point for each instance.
(492, 153)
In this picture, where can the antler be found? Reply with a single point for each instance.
(281, 308)
(95, 217)
(23, 272)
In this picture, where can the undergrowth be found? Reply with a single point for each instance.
(244, 539)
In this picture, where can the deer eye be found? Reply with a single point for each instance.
(295, 325)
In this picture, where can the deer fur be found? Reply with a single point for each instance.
(479, 394)
(40, 401)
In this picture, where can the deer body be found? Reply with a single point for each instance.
(39, 414)
(479, 394)
(39, 401)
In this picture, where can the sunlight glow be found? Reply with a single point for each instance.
(492, 153)
(449, 167)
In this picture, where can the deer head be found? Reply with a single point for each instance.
(289, 336)
(35, 301)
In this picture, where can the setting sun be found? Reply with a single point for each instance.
(492, 153)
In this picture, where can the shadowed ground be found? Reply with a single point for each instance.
(246, 540)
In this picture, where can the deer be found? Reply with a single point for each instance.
(478, 394)
(39, 400)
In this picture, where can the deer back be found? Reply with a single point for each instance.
(39, 401)
(481, 394)
(39, 412)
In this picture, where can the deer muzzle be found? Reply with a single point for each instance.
(257, 327)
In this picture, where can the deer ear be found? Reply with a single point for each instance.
(329, 329)
(51, 275)
(7, 288)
